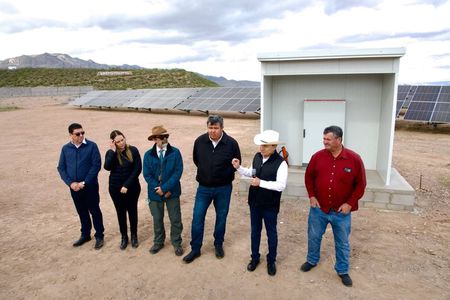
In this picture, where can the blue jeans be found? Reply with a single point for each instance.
(257, 215)
(341, 225)
(220, 196)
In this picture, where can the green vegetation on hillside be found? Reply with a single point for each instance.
(8, 107)
(139, 79)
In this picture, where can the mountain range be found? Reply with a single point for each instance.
(61, 61)
(56, 60)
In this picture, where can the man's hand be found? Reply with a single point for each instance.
(123, 190)
(75, 186)
(345, 208)
(314, 202)
(236, 163)
(255, 181)
(159, 191)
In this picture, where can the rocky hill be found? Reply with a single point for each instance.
(66, 62)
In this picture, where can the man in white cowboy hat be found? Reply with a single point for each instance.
(269, 171)
(162, 169)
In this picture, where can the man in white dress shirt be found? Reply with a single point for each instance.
(269, 171)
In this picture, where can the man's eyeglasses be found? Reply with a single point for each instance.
(79, 133)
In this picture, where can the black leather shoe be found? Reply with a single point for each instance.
(191, 256)
(219, 252)
(134, 241)
(81, 241)
(271, 269)
(346, 280)
(124, 243)
(179, 251)
(307, 267)
(155, 248)
(98, 243)
(252, 265)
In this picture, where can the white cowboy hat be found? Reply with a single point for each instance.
(267, 137)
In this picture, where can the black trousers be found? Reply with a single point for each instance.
(87, 203)
(126, 203)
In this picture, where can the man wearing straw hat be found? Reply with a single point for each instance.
(162, 168)
(269, 171)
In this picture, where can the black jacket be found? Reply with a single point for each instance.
(214, 166)
(127, 174)
(261, 197)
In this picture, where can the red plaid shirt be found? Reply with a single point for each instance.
(335, 181)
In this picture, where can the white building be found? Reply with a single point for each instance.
(304, 92)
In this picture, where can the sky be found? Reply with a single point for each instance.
(224, 37)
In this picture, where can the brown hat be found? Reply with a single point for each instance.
(158, 131)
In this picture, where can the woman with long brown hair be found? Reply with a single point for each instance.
(125, 164)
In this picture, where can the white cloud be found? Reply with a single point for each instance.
(223, 37)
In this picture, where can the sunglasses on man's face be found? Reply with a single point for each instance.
(161, 137)
(79, 133)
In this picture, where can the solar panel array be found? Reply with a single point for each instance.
(422, 103)
(224, 99)
(229, 99)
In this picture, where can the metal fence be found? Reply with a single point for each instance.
(9, 92)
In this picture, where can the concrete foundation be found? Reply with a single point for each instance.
(399, 195)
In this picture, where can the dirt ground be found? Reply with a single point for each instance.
(395, 255)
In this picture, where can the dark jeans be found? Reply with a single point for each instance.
(87, 201)
(176, 225)
(257, 215)
(220, 196)
(126, 203)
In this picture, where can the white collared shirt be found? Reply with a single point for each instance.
(278, 185)
(214, 142)
(78, 146)
(163, 151)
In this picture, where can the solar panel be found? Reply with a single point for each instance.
(243, 99)
(86, 98)
(420, 111)
(410, 95)
(441, 111)
(108, 98)
(162, 98)
(426, 93)
(402, 91)
(422, 103)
